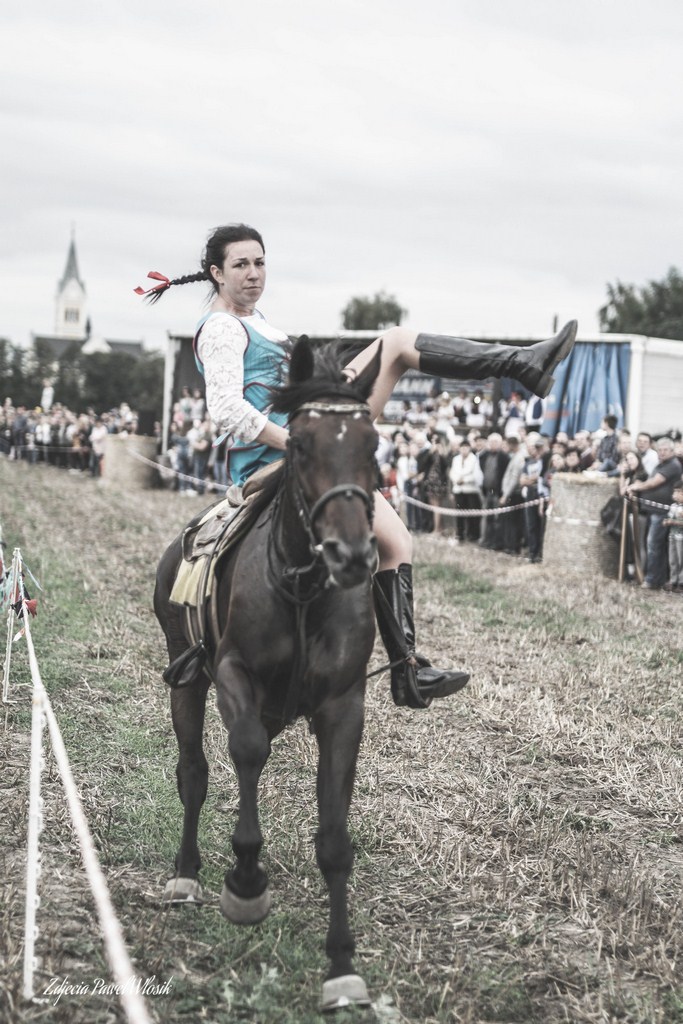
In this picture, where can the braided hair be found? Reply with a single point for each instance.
(213, 255)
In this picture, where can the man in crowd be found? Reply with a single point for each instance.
(513, 522)
(647, 453)
(19, 431)
(535, 413)
(98, 435)
(493, 462)
(658, 488)
(584, 444)
(607, 455)
(534, 487)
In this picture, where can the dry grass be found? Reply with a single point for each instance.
(519, 846)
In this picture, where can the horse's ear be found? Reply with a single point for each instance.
(301, 363)
(365, 381)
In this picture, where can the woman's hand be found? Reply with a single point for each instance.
(274, 436)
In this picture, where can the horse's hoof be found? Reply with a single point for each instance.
(242, 911)
(183, 890)
(348, 990)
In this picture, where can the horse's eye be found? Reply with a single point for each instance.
(297, 446)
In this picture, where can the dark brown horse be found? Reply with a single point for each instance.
(297, 630)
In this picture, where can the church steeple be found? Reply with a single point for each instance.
(70, 313)
(71, 269)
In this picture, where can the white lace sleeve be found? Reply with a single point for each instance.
(222, 344)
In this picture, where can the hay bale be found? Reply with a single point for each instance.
(121, 468)
(575, 538)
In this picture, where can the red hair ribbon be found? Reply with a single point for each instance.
(165, 283)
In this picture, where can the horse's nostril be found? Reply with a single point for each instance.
(358, 559)
(336, 551)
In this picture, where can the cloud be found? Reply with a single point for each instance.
(490, 164)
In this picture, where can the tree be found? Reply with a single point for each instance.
(5, 364)
(41, 361)
(365, 314)
(112, 378)
(148, 386)
(68, 383)
(100, 380)
(655, 310)
(108, 379)
(16, 385)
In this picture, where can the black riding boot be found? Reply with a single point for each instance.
(414, 682)
(442, 356)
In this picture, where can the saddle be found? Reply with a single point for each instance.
(206, 541)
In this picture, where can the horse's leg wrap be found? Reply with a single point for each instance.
(414, 681)
(532, 365)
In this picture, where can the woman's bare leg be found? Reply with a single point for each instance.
(393, 539)
(398, 355)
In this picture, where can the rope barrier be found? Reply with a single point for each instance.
(10, 586)
(464, 513)
(129, 984)
(637, 500)
(168, 471)
(35, 827)
(37, 448)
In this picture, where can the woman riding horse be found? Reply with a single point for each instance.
(242, 356)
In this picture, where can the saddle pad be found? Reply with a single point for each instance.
(200, 535)
(203, 543)
(208, 537)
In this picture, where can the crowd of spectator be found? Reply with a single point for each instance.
(56, 436)
(437, 463)
(452, 454)
(200, 464)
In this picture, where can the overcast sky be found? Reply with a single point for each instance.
(492, 164)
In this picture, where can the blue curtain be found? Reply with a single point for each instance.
(590, 384)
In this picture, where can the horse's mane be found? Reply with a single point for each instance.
(328, 381)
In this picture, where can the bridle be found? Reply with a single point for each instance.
(308, 515)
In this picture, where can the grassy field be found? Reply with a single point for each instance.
(519, 852)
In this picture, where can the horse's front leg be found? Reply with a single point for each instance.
(187, 709)
(245, 898)
(338, 728)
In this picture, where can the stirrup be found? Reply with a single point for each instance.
(433, 682)
(420, 683)
(184, 669)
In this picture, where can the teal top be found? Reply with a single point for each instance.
(263, 364)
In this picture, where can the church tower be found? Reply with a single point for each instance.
(70, 312)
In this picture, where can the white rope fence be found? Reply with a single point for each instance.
(168, 472)
(9, 582)
(129, 984)
(165, 471)
(464, 513)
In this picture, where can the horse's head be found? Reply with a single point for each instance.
(331, 467)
